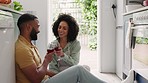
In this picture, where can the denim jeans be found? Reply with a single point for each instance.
(74, 74)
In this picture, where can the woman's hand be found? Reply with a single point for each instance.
(59, 51)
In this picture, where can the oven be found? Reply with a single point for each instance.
(139, 46)
(140, 39)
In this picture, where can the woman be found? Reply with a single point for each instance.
(65, 29)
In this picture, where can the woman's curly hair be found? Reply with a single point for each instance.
(73, 26)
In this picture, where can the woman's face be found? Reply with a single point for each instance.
(63, 29)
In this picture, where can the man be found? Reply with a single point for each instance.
(30, 69)
(28, 62)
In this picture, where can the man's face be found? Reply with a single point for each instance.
(35, 30)
(33, 34)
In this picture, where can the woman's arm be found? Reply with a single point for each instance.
(72, 54)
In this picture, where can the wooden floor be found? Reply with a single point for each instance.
(88, 57)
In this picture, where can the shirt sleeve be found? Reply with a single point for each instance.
(53, 65)
(24, 57)
(72, 55)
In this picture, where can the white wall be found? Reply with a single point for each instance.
(41, 9)
(50, 35)
(119, 13)
(106, 36)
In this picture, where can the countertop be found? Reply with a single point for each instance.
(142, 72)
(140, 68)
(137, 10)
(9, 9)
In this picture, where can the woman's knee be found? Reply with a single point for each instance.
(79, 66)
(86, 67)
(82, 67)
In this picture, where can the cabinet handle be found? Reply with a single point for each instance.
(119, 27)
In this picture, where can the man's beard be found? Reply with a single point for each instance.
(33, 34)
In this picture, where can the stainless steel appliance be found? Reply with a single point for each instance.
(136, 48)
(140, 32)
(140, 46)
(133, 2)
(7, 66)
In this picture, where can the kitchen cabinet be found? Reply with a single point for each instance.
(7, 44)
(16, 15)
(7, 62)
(119, 50)
(119, 37)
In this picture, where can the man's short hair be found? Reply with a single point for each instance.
(25, 18)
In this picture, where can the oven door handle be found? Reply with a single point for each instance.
(140, 27)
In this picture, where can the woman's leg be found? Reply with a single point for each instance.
(67, 76)
(74, 74)
(86, 77)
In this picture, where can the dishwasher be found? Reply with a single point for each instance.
(7, 61)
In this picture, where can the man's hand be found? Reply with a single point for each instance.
(49, 57)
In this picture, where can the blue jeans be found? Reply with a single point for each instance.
(74, 74)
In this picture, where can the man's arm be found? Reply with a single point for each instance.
(36, 74)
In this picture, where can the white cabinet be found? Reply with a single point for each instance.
(8, 35)
(7, 62)
(119, 50)
(119, 37)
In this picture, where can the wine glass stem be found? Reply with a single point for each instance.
(59, 58)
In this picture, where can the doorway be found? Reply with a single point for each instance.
(88, 53)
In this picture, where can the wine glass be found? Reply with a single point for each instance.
(56, 46)
(50, 48)
(58, 49)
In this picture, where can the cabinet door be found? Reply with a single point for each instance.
(119, 50)
(7, 65)
(119, 37)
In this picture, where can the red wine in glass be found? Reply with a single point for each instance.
(57, 49)
(50, 50)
